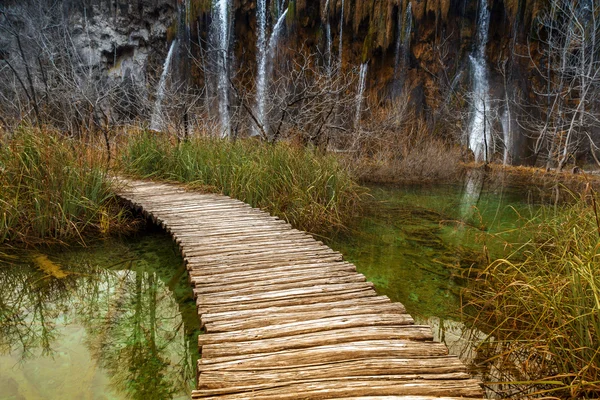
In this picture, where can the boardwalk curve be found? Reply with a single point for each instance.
(285, 317)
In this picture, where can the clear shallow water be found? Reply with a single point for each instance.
(416, 244)
(113, 321)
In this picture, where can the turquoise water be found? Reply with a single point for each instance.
(417, 244)
(115, 320)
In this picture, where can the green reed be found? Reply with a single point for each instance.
(312, 191)
(53, 189)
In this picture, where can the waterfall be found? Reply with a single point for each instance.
(188, 24)
(402, 47)
(341, 48)
(506, 134)
(480, 135)
(265, 66)
(362, 83)
(156, 122)
(261, 62)
(328, 37)
(275, 35)
(220, 42)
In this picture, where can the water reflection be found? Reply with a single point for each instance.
(100, 333)
(417, 245)
(472, 192)
(460, 339)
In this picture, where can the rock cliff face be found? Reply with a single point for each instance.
(119, 37)
(417, 49)
(114, 38)
(435, 55)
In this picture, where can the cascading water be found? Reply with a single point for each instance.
(471, 194)
(341, 48)
(362, 83)
(328, 37)
(402, 47)
(480, 135)
(188, 23)
(274, 39)
(506, 131)
(156, 122)
(261, 62)
(265, 66)
(220, 40)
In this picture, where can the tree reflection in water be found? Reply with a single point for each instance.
(126, 331)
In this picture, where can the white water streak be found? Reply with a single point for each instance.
(261, 62)
(221, 19)
(328, 37)
(157, 122)
(507, 136)
(480, 135)
(362, 83)
(265, 68)
(402, 47)
(341, 47)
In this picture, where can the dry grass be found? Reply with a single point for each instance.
(54, 189)
(541, 307)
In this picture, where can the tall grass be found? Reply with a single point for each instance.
(312, 191)
(53, 189)
(541, 307)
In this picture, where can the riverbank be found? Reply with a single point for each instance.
(55, 190)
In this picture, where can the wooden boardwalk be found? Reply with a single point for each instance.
(285, 317)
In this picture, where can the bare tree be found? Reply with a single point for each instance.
(568, 68)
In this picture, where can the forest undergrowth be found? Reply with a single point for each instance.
(58, 189)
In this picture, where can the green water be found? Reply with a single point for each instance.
(115, 320)
(417, 244)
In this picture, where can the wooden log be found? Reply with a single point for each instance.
(290, 280)
(218, 277)
(285, 302)
(336, 388)
(252, 313)
(211, 252)
(441, 368)
(317, 325)
(308, 315)
(318, 338)
(288, 294)
(227, 267)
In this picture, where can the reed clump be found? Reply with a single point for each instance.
(541, 307)
(54, 189)
(310, 190)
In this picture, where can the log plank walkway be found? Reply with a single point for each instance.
(285, 317)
